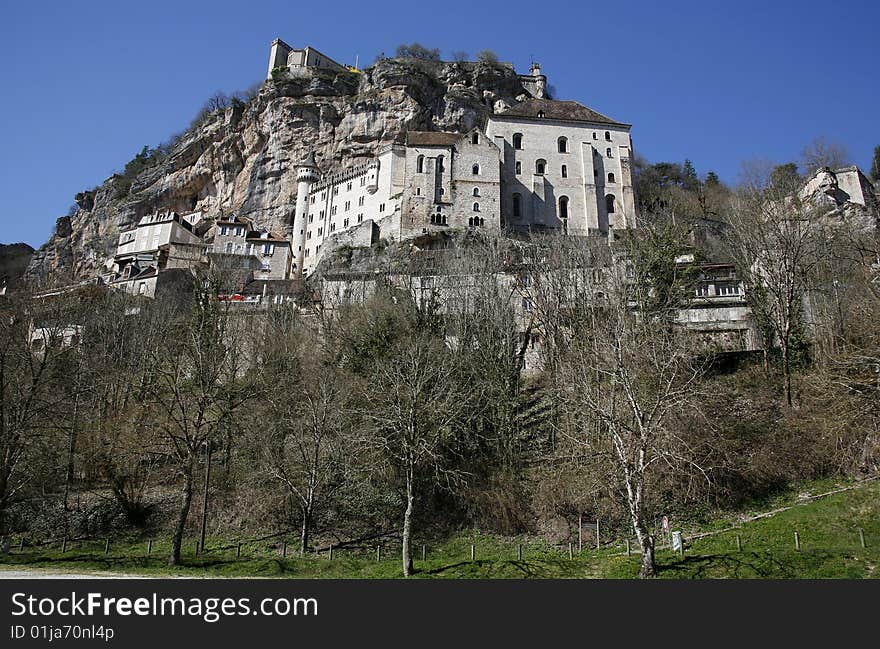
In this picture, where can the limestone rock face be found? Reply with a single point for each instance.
(243, 159)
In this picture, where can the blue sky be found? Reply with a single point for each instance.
(87, 84)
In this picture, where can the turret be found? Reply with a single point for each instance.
(278, 52)
(307, 175)
(373, 176)
(540, 80)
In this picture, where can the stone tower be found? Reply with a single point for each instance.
(307, 175)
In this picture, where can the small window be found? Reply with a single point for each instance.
(518, 168)
(420, 164)
(309, 234)
(540, 113)
(517, 141)
(381, 207)
(610, 177)
(348, 187)
(608, 152)
(564, 171)
(440, 167)
(345, 223)
(336, 191)
(360, 217)
(562, 145)
(517, 205)
(363, 181)
(476, 191)
(563, 207)
(347, 205)
(418, 191)
(361, 201)
(475, 170)
(540, 166)
(608, 135)
(476, 207)
(311, 217)
(609, 203)
(595, 137)
(320, 231)
(475, 138)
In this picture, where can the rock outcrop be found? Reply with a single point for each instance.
(242, 159)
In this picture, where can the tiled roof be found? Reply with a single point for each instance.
(431, 138)
(568, 111)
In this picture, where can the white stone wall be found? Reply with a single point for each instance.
(587, 167)
(370, 193)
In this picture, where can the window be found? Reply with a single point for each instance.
(517, 141)
(229, 247)
(608, 152)
(610, 177)
(336, 191)
(540, 165)
(309, 234)
(333, 210)
(475, 222)
(142, 289)
(420, 164)
(348, 187)
(440, 167)
(360, 217)
(608, 135)
(322, 214)
(363, 181)
(562, 145)
(381, 207)
(609, 203)
(518, 168)
(476, 207)
(323, 195)
(307, 252)
(595, 137)
(475, 170)
(476, 191)
(475, 138)
(345, 223)
(332, 227)
(311, 217)
(702, 290)
(268, 248)
(727, 289)
(517, 205)
(418, 191)
(540, 113)
(563, 207)
(347, 205)
(312, 200)
(320, 231)
(564, 171)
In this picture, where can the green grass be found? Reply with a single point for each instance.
(828, 529)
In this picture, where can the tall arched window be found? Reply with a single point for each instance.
(564, 171)
(562, 144)
(610, 177)
(475, 138)
(608, 152)
(563, 207)
(476, 191)
(476, 207)
(518, 167)
(475, 170)
(609, 203)
(608, 135)
(540, 166)
(517, 205)
(420, 164)
(440, 167)
(517, 140)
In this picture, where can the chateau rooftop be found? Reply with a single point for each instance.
(570, 111)
(431, 138)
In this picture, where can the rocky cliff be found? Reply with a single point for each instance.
(243, 158)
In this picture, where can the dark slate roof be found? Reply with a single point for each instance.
(431, 138)
(568, 111)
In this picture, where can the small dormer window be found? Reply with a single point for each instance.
(540, 113)
(475, 138)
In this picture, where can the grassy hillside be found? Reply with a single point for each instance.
(828, 528)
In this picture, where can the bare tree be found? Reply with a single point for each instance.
(776, 239)
(822, 153)
(411, 402)
(305, 398)
(198, 385)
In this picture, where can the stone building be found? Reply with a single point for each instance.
(283, 56)
(265, 253)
